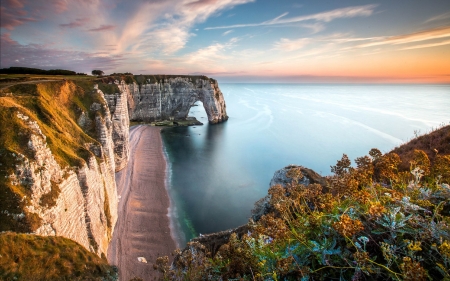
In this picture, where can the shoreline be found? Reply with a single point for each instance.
(175, 228)
(143, 228)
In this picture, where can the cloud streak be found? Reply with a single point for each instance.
(227, 32)
(439, 17)
(102, 28)
(288, 45)
(447, 42)
(76, 23)
(349, 12)
(12, 17)
(435, 33)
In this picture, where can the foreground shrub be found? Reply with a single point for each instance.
(372, 223)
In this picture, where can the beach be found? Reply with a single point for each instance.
(143, 227)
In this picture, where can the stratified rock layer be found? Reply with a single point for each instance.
(171, 99)
(79, 203)
(85, 209)
(118, 106)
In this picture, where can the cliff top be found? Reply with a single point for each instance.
(143, 78)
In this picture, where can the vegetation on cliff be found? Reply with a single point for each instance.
(55, 107)
(32, 257)
(369, 222)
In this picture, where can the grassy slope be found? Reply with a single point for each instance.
(438, 139)
(55, 106)
(32, 257)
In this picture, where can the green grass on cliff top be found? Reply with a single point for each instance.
(32, 257)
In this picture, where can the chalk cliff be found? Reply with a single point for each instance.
(118, 107)
(58, 163)
(62, 142)
(170, 98)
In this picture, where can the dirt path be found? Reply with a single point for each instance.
(142, 228)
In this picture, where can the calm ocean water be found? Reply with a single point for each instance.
(217, 172)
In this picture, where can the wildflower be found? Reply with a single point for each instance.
(347, 226)
(414, 246)
(412, 270)
(361, 257)
(388, 252)
(363, 239)
(376, 209)
(444, 249)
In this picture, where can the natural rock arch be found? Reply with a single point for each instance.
(171, 99)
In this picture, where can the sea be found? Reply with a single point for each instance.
(217, 172)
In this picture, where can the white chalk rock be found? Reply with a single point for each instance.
(142, 259)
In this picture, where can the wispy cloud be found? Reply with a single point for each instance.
(210, 54)
(165, 26)
(349, 12)
(439, 17)
(75, 23)
(15, 3)
(315, 27)
(435, 33)
(287, 45)
(227, 32)
(12, 17)
(103, 28)
(428, 45)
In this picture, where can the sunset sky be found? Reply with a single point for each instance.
(234, 40)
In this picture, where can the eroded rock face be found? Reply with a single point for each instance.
(171, 98)
(77, 203)
(120, 122)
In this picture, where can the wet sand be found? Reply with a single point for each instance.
(142, 228)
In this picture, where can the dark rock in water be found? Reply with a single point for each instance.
(281, 177)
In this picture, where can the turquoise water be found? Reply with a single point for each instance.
(217, 172)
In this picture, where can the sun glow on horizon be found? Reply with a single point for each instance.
(233, 39)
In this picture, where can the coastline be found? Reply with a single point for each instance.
(144, 226)
(176, 231)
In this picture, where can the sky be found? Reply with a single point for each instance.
(386, 41)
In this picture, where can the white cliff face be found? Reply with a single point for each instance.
(171, 98)
(118, 107)
(83, 204)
